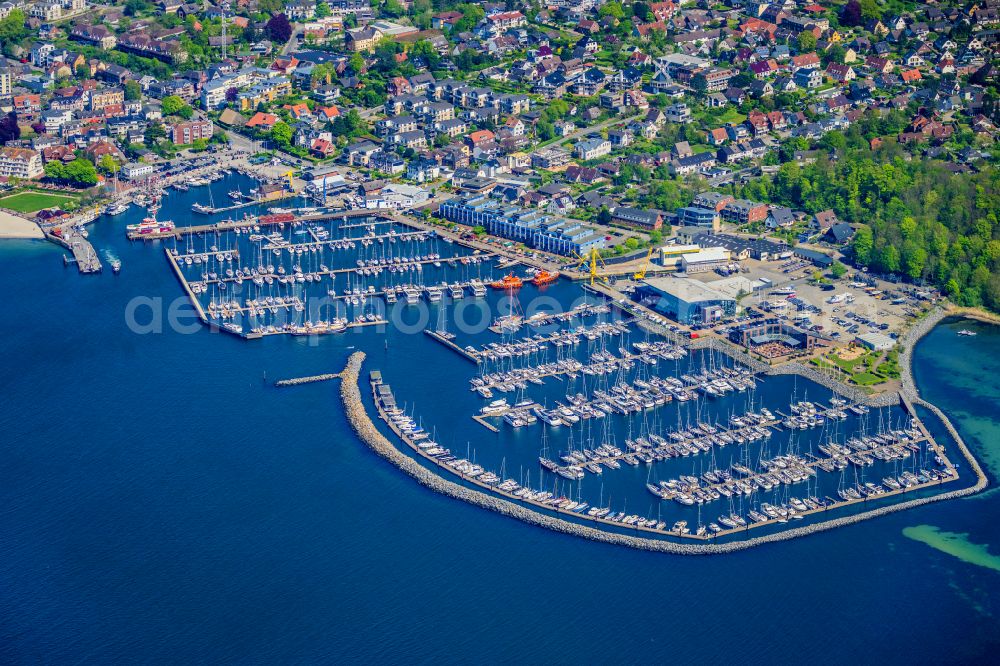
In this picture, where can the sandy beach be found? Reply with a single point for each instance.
(12, 226)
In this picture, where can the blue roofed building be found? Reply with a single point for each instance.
(534, 228)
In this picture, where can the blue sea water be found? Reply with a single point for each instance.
(159, 502)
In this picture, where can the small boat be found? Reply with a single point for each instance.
(967, 333)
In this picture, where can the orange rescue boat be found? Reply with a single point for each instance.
(509, 282)
(545, 277)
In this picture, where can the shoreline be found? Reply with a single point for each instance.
(14, 227)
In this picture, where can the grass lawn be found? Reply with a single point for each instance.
(730, 115)
(866, 379)
(855, 368)
(32, 202)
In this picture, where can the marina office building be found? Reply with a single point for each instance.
(534, 228)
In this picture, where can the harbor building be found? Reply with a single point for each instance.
(773, 338)
(534, 228)
(693, 258)
(876, 341)
(398, 196)
(670, 255)
(706, 259)
(637, 217)
(136, 170)
(685, 300)
(746, 248)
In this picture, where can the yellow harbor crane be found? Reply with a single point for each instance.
(592, 259)
(641, 273)
(291, 185)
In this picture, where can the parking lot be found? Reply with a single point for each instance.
(841, 309)
(846, 308)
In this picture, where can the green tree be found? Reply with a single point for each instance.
(393, 9)
(863, 244)
(838, 270)
(281, 133)
(357, 63)
(55, 170)
(889, 259)
(870, 9)
(109, 165)
(81, 172)
(914, 260)
(12, 31)
(806, 42)
(613, 8)
(322, 9)
(835, 54)
(173, 105)
(154, 133)
(133, 91)
(471, 16)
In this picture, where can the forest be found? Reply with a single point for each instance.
(915, 217)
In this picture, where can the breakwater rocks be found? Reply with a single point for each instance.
(366, 430)
(981, 480)
(298, 381)
(908, 342)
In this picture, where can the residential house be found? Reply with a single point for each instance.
(22, 163)
(779, 218)
(823, 220)
(636, 217)
(592, 148)
(188, 132)
(359, 153)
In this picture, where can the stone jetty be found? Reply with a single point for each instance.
(367, 431)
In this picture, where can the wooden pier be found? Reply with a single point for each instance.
(481, 420)
(464, 353)
(229, 225)
(406, 235)
(243, 204)
(181, 232)
(187, 287)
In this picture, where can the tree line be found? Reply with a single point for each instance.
(918, 218)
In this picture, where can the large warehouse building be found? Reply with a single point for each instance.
(686, 301)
